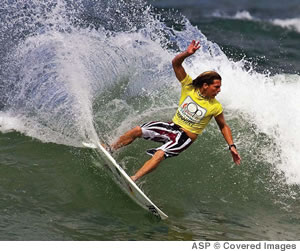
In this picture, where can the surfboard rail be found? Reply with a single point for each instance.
(125, 182)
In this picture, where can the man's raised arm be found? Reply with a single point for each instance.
(178, 60)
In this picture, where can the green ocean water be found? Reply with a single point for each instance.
(71, 197)
(69, 74)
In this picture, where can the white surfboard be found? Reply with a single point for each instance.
(126, 183)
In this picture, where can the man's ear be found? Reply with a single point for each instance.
(205, 86)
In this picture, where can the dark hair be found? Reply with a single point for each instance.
(207, 77)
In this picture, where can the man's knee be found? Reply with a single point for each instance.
(159, 155)
(137, 131)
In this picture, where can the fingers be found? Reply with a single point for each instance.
(236, 157)
(195, 44)
(237, 161)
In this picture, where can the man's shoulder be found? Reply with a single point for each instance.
(215, 101)
(217, 107)
(187, 80)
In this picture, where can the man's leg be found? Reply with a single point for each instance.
(127, 138)
(149, 165)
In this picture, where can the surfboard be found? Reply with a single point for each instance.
(125, 182)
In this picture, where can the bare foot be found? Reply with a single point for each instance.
(133, 178)
(107, 147)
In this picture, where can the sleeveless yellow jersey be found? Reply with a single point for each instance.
(195, 112)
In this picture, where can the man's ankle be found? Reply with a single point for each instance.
(108, 148)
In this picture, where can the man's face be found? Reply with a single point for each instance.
(213, 90)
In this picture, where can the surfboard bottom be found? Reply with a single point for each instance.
(125, 182)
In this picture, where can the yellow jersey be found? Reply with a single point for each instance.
(194, 111)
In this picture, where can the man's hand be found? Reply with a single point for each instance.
(235, 155)
(193, 47)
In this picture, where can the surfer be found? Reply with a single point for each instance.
(197, 106)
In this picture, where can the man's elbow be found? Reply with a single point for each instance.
(174, 63)
(223, 127)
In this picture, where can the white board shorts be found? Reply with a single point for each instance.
(175, 140)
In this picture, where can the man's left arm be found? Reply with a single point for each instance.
(225, 129)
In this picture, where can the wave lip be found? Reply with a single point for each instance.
(240, 15)
(290, 23)
(243, 15)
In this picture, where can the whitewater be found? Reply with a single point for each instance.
(69, 74)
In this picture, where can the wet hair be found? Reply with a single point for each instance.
(207, 77)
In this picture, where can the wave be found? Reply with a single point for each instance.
(69, 79)
(240, 15)
(289, 23)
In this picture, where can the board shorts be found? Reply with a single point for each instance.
(175, 140)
